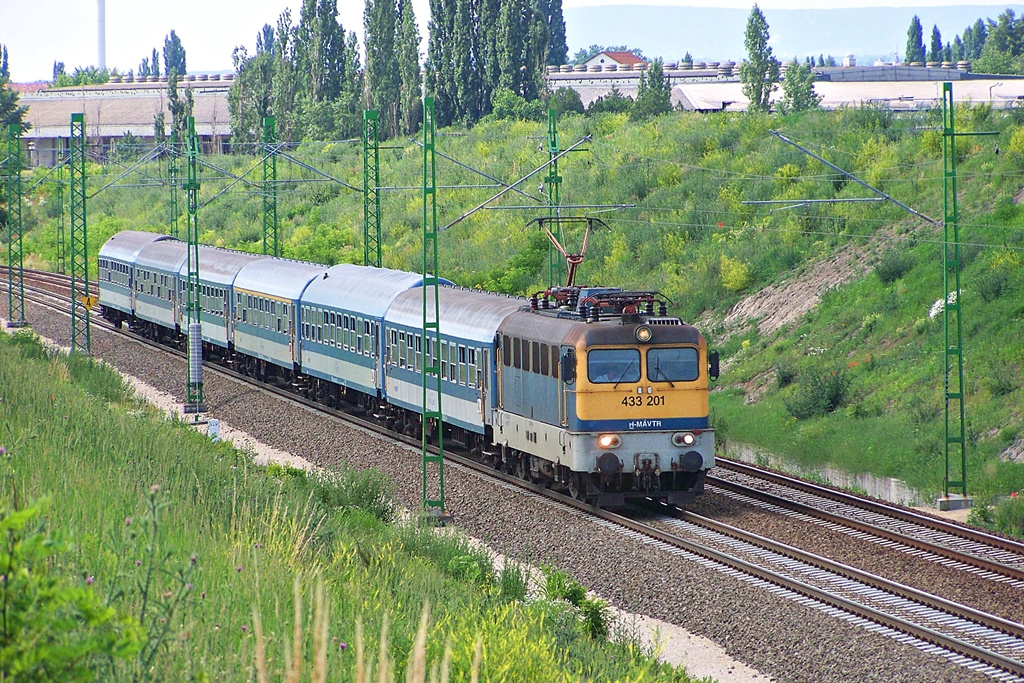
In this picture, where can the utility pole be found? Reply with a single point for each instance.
(15, 262)
(194, 387)
(371, 188)
(270, 241)
(433, 496)
(80, 300)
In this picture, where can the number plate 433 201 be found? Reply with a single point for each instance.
(639, 401)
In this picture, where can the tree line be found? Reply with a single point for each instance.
(993, 46)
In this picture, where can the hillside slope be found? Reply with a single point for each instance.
(821, 311)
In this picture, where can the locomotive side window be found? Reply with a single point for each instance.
(554, 361)
(545, 360)
(672, 365)
(506, 350)
(611, 366)
(517, 353)
(535, 347)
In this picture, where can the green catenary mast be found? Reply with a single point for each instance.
(554, 182)
(62, 266)
(270, 242)
(80, 332)
(433, 495)
(172, 173)
(15, 261)
(371, 188)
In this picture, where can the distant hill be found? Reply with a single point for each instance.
(669, 32)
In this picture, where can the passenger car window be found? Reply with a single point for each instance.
(673, 365)
(611, 366)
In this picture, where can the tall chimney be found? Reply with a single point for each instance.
(102, 33)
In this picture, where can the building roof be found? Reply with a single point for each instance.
(113, 109)
(623, 57)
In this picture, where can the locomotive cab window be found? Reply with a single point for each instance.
(672, 365)
(612, 366)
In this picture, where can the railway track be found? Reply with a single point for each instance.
(987, 555)
(978, 641)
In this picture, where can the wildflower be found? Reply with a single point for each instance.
(89, 580)
(189, 587)
(342, 645)
(202, 596)
(127, 521)
(194, 558)
(244, 628)
(138, 563)
(1013, 495)
(720, 224)
(3, 451)
(154, 488)
(238, 568)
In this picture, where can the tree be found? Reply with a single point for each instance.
(558, 49)
(654, 96)
(760, 73)
(410, 82)
(915, 41)
(798, 90)
(382, 77)
(265, 39)
(180, 108)
(174, 55)
(565, 101)
(935, 50)
(612, 103)
(10, 112)
(58, 69)
(154, 65)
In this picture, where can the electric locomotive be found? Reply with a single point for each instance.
(605, 395)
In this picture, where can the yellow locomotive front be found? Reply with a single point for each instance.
(641, 424)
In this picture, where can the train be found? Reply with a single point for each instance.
(594, 391)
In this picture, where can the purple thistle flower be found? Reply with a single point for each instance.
(202, 595)
(154, 488)
(3, 451)
(342, 645)
(238, 568)
(195, 558)
(189, 587)
(244, 628)
(89, 580)
(138, 563)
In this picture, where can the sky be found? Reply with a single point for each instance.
(39, 32)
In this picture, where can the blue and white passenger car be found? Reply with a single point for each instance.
(266, 299)
(116, 268)
(342, 314)
(469, 324)
(156, 288)
(218, 269)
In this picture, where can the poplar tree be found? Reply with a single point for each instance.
(410, 81)
(174, 55)
(10, 112)
(915, 41)
(935, 49)
(381, 77)
(798, 90)
(759, 75)
(557, 48)
(440, 77)
(654, 96)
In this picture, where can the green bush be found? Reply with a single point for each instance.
(565, 101)
(53, 627)
(992, 283)
(820, 391)
(785, 373)
(893, 265)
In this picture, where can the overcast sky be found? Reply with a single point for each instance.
(39, 32)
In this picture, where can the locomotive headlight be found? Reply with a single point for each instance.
(683, 439)
(644, 334)
(609, 441)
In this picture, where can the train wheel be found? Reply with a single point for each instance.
(522, 467)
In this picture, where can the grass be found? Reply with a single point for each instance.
(237, 572)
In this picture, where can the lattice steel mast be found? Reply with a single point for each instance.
(62, 265)
(270, 241)
(172, 173)
(371, 188)
(433, 496)
(15, 261)
(554, 183)
(80, 333)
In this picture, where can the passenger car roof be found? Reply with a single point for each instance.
(278, 277)
(360, 289)
(465, 313)
(126, 245)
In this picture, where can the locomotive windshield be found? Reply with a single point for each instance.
(672, 365)
(608, 366)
